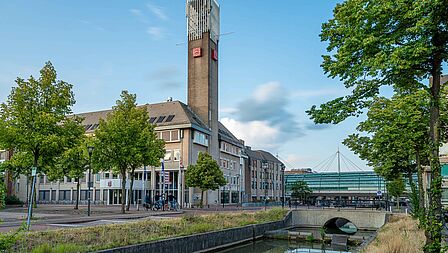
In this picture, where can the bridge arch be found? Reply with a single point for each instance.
(362, 219)
(340, 225)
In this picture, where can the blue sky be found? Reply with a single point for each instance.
(269, 70)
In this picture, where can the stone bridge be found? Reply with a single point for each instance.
(363, 219)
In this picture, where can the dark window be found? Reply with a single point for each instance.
(97, 195)
(160, 119)
(87, 127)
(170, 118)
(152, 119)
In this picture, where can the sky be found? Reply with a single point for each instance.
(269, 64)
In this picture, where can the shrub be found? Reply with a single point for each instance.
(2, 194)
(13, 200)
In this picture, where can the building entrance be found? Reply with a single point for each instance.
(114, 197)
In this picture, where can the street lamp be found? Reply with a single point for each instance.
(265, 183)
(89, 183)
(283, 185)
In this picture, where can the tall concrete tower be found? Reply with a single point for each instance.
(203, 38)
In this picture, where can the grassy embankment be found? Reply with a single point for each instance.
(110, 236)
(400, 235)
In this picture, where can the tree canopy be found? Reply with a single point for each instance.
(34, 117)
(126, 140)
(205, 174)
(300, 189)
(399, 43)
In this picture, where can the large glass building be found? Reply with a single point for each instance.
(364, 184)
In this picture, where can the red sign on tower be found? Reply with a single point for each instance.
(214, 55)
(197, 52)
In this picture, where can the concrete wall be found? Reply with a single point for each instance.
(203, 242)
(363, 219)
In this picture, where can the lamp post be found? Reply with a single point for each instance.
(283, 185)
(90, 183)
(265, 183)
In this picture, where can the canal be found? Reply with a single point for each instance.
(284, 246)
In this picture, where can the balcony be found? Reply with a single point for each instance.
(116, 184)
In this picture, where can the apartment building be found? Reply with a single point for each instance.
(264, 176)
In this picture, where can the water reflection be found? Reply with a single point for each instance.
(281, 246)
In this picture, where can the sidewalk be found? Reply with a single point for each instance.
(47, 217)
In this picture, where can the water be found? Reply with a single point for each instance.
(282, 246)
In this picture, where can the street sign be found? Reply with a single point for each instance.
(379, 193)
(33, 171)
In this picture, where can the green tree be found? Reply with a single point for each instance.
(73, 163)
(396, 188)
(126, 140)
(394, 139)
(300, 190)
(34, 118)
(399, 43)
(149, 150)
(205, 175)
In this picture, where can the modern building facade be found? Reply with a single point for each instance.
(348, 185)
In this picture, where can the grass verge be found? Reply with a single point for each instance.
(400, 235)
(110, 236)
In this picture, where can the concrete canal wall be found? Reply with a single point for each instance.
(206, 241)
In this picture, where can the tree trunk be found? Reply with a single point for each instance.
(434, 227)
(421, 192)
(398, 202)
(130, 193)
(77, 194)
(202, 199)
(123, 191)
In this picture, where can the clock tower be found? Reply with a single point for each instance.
(203, 40)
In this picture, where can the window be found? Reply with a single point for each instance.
(160, 119)
(106, 175)
(152, 119)
(169, 135)
(170, 118)
(68, 179)
(168, 155)
(200, 138)
(174, 135)
(44, 195)
(64, 195)
(98, 176)
(176, 155)
(166, 136)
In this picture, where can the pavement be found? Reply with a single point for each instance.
(48, 217)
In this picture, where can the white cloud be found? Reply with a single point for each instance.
(258, 134)
(157, 11)
(156, 33)
(229, 110)
(266, 91)
(139, 15)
